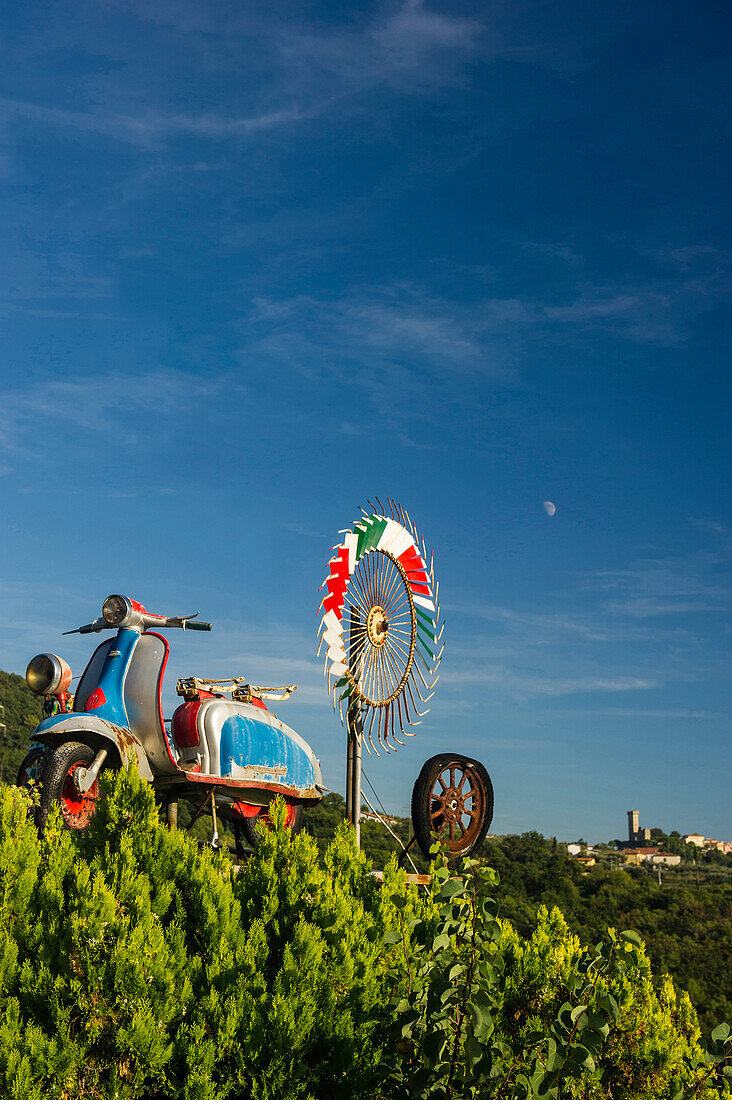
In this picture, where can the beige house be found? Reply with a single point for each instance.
(718, 845)
(694, 838)
(634, 856)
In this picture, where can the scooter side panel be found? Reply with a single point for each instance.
(240, 741)
(142, 686)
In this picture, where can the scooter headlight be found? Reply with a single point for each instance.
(48, 674)
(115, 610)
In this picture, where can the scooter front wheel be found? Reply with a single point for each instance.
(57, 785)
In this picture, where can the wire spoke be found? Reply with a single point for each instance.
(358, 580)
(398, 597)
(380, 574)
(355, 597)
(397, 673)
(397, 651)
(394, 644)
(393, 576)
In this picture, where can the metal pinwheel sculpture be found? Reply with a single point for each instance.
(381, 625)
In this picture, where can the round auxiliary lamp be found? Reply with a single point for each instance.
(383, 646)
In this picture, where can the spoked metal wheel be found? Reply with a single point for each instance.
(453, 797)
(380, 609)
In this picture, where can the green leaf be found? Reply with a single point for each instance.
(631, 937)
(392, 936)
(608, 1004)
(452, 888)
(720, 1033)
(473, 1049)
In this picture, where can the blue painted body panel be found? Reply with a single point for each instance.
(112, 678)
(245, 742)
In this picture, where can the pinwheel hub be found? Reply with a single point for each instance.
(377, 626)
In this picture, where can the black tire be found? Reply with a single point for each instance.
(460, 815)
(56, 779)
(250, 825)
(29, 768)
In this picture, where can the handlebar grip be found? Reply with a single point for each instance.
(192, 624)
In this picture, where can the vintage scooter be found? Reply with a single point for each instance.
(224, 748)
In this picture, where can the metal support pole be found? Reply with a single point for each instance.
(350, 744)
(355, 727)
(172, 813)
(353, 770)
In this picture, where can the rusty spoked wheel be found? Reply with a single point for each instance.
(453, 797)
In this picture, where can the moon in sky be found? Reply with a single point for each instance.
(549, 508)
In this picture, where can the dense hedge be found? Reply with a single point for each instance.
(134, 965)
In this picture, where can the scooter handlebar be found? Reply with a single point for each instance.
(138, 618)
(90, 628)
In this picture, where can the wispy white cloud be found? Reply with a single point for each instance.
(312, 70)
(152, 127)
(665, 714)
(509, 681)
(117, 406)
(396, 338)
(644, 607)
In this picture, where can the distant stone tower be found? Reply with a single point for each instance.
(633, 827)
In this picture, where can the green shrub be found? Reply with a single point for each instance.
(481, 1012)
(133, 964)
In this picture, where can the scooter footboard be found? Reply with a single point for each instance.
(251, 791)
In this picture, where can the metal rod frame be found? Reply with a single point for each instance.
(355, 729)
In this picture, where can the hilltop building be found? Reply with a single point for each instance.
(636, 835)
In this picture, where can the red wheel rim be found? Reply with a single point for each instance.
(289, 819)
(77, 808)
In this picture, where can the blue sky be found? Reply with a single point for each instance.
(260, 264)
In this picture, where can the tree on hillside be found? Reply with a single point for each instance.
(22, 714)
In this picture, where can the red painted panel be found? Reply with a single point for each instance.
(243, 809)
(96, 699)
(185, 726)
